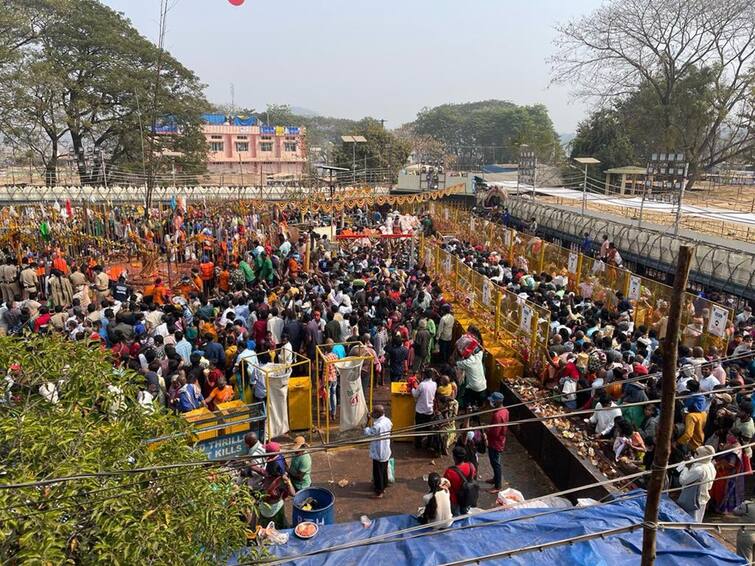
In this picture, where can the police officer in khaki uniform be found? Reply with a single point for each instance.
(28, 280)
(77, 279)
(9, 281)
(101, 284)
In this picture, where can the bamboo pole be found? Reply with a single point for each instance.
(666, 424)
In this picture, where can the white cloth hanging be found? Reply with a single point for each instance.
(276, 376)
(353, 404)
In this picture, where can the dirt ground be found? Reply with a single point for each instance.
(412, 468)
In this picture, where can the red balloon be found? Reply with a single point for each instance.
(236, 2)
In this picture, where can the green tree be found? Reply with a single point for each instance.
(684, 67)
(384, 153)
(489, 131)
(106, 77)
(187, 515)
(34, 119)
(603, 136)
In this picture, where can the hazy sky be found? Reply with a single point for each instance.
(354, 58)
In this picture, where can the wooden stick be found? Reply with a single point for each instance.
(666, 423)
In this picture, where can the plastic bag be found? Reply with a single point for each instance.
(391, 470)
(509, 497)
(273, 535)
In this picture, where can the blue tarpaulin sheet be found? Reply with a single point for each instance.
(675, 547)
(214, 119)
(239, 121)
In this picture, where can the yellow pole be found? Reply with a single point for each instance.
(497, 326)
(327, 403)
(533, 338)
(372, 377)
(542, 254)
(309, 376)
(578, 278)
(317, 385)
(267, 406)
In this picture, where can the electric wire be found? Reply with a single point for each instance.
(326, 447)
(388, 537)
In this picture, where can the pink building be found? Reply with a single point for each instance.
(255, 149)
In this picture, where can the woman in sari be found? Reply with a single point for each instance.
(727, 492)
(447, 408)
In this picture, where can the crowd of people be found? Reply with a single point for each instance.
(198, 344)
(598, 358)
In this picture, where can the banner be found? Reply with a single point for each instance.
(429, 257)
(445, 213)
(507, 238)
(487, 294)
(635, 287)
(447, 265)
(719, 316)
(573, 263)
(526, 322)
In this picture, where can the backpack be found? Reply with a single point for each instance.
(468, 492)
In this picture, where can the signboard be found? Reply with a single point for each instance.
(635, 286)
(718, 319)
(573, 263)
(507, 238)
(526, 322)
(472, 224)
(487, 294)
(527, 170)
(229, 446)
(445, 213)
(429, 257)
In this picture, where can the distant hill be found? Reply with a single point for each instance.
(306, 112)
(566, 138)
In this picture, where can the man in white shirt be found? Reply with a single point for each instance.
(603, 419)
(424, 395)
(275, 325)
(380, 449)
(445, 333)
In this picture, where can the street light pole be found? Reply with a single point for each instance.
(584, 191)
(586, 161)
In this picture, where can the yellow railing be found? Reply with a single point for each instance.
(503, 315)
(704, 323)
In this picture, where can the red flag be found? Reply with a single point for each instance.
(69, 210)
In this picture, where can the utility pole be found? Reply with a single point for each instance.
(153, 122)
(668, 396)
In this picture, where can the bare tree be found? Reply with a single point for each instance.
(659, 44)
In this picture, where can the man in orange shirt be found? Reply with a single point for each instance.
(221, 393)
(59, 263)
(160, 293)
(224, 279)
(207, 273)
(293, 267)
(197, 279)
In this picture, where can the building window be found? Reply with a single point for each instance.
(242, 147)
(290, 138)
(266, 138)
(289, 146)
(216, 137)
(216, 146)
(266, 146)
(241, 137)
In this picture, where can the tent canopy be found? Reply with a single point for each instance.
(675, 546)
